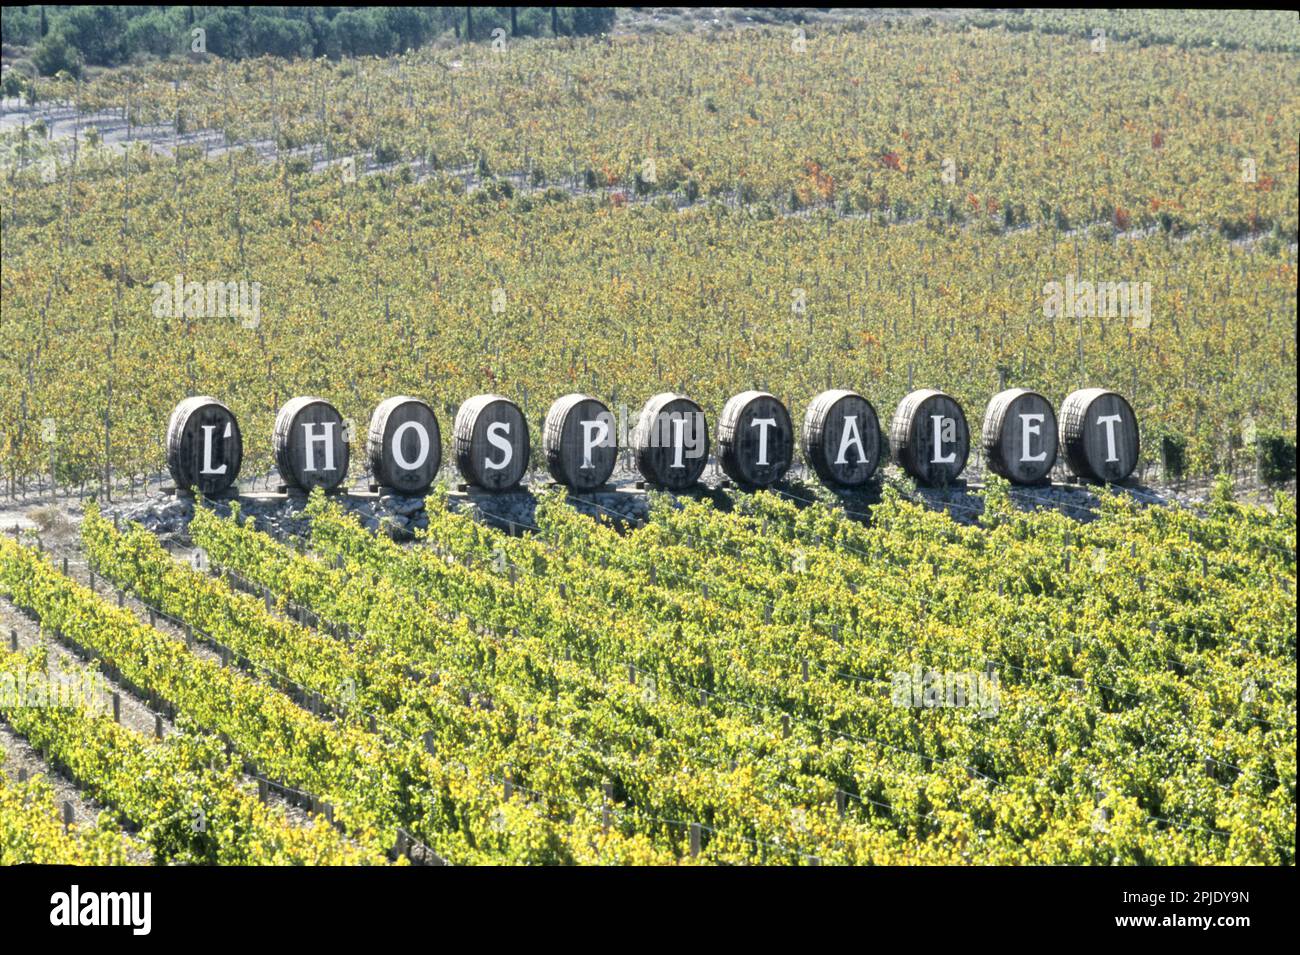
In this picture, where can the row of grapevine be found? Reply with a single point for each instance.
(32, 830)
(373, 785)
(180, 795)
(822, 683)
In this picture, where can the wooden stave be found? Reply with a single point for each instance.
(553, 440)
(728, 438)
(375, 444)
(467, 416)
(814, 425)
(991, 434)
(642, 449)
(1073, 416)
(901, 434)
(284, 421)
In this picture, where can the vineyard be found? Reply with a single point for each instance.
(619, 216)
(1032, 675)
(475, 695)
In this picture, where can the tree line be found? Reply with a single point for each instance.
(70, 38)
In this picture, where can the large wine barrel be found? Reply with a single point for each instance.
(404, 445)
(755, 439)
(671, 441)
(1099, 433)
(841, 438)
(929, 438)
(204, 445)
(580, 438)
(311, 449)
(1019, 436)
(492, 444)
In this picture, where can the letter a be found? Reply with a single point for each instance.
(849, 437)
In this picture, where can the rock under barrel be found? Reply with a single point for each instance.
(1019, 436)
(581, 442)
(841, 438)
(404, 445)
(929, 438)
(491, 442)
(755, 439)
(1099, 434)
(204, 445)
(671, 441)
(311, 449)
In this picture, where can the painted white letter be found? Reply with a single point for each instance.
(1029, 425)
(1109, 422)
(207, 449)
(942, 425)
(594, 435)
(327, 438)
(762, 424)
(494, 436)
(422, 433)
(850, 436)
(679, 425)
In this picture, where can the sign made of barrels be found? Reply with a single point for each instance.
(581, 442)
(404, 445)
(311, 448)
(1099, 433)
(841, 440)
(929, 438)
(492, 443)
(1019, 436)
(755, 439)
(204, 446)
(671, 442)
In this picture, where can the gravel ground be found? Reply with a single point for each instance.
(624, 501)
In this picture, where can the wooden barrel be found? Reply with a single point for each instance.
(755, 439)
(1019, 436)
(671, 441)
(929, 438)
(580, 438)
(310, 446)
(841, 438)
(404, 445)
(204, 445)
(1099, 433)
(491, 441)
